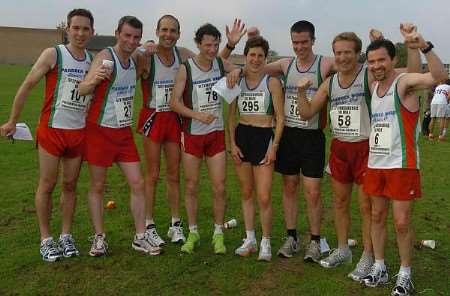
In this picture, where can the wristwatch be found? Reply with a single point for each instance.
(428, 48)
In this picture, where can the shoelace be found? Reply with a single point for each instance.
(335, 255)
(374, 273)
(99, 241)
(178, 229)
(363, 264)
(68, 242)
(154, 234)
(403, 281)
(49, 247)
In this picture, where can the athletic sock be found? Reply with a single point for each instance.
(149, 222)
(405, 270)
(293, 233)
(250, 234)
(315, 238)
(380, 263)
(193, 228)
(218, 228)
(175, 220)
(140, 235)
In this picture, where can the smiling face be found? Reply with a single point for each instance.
(380, 64)
(129, 38)
(255, 60)
(79, 31)
(302, 44)
(208, 47)
(168, 32)
(345, 55)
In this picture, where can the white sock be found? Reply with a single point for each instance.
(140, 235)
(149, 222)
(380, 263)
(175, 220)
(218, 229)
(46, 239)
(250, 234)
(193, 228)
(63, 235)
(444, 132)
(265, 240)
(405, 270)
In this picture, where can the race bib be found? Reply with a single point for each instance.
(70, 96)
(163, 92)
(345, 120)
(292, 113)
(381, 138)
(252, 102)
(208, 100)
(124, 110)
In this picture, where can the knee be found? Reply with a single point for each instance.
(402, 225)
(313, 197)
(97, 186)
(173, 178)
(365, 208)
(265, 202)
(136, 184)
(152, 177)
(219, 190)
(247, 193)
(69, 186)
(341, 202)
(47, 185)
(191, 187)
(290, 189)
(378, 217)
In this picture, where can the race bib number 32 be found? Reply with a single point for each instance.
(381, 138)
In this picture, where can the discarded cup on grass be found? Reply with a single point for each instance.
(111, 205)
(352, 242)
(324, 247)
(230, 224)
(429, 243)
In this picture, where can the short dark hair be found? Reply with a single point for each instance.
(257, 41)
(304, 26)
(80, 12)
(382, 43)
(206, 29)
(129, 20)
(348, 36)
(168, 16)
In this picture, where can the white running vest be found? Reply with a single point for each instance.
(350, 108)
(293, 75)
(162, 78)
(69, 108)
(117, 111)
(392, 124)
(440, 94)
(256, 101)
(201, 97)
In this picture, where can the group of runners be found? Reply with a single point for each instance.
(373, 111)
(439, 112)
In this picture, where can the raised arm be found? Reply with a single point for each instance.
(233, 36)
(97, 73)
(414, 64)
(44, 64)
(308, 108)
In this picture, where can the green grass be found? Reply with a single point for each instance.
(125, 272)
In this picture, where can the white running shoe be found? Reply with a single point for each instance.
(376, 277)
(403, 285)
(99, 246)
(249, 246)
(153, 236)
(175, 233)
(49, 250)
(265, 251)
(144, 245)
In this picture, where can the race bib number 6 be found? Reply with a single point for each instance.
(381, 138)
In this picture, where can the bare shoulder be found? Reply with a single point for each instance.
(185, 53)
(327, 66)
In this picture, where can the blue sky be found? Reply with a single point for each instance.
(274, 18)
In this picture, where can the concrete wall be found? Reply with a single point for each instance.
(23, 46)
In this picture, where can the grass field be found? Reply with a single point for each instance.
(125, 272)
